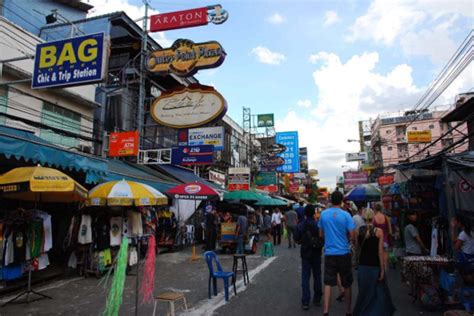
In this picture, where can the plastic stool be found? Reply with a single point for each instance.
(171, 298)
(267, 250)
(244, 270)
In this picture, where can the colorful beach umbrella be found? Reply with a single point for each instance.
(125, 193)
(364, 193)
(40, 184)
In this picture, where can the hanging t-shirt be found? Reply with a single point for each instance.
(19, 246)
(434, 242)
(135, 225)
(48, 233)
(115, 231)
(43, 261)
(8, 258)
(85, 230)
(35, 237)
(101, 233)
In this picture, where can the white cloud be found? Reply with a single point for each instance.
(330, 17)
(266, 56)
(304, 103)
(412, 23)
(133, 11)
(276, 18)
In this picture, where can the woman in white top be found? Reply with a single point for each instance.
(465, 239)
(276, 226)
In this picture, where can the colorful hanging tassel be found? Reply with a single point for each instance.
(114, 298)
(148, 281)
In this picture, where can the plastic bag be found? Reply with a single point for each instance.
(285, 233)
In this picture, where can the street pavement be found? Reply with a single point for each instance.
(274, 289)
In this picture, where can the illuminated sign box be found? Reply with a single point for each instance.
(419, 136)
(70, 62)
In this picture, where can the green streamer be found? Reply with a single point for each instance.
(114, 298)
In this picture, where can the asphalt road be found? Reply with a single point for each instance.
(276, 291)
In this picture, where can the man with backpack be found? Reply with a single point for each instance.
(307, 235)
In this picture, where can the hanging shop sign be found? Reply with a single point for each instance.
(188, 18)
(291, 154)
(184, 58)
(124, 144)
(361, 156)
(217, 177)
(207, 136)
(265, 120)
(355, 177)
(273, 188)
(70, 62)
(188, 107)
(238, 179)
(274, 149)
(265, 178)
(386, 180)
(419, 136)
(304, 159)
(192, 155)
(270, 163)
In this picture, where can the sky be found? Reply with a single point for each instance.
(321, 66)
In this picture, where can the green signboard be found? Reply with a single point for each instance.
(265, 120)
(265, 178)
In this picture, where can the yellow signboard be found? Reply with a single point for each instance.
(184, 58)
(419, 136)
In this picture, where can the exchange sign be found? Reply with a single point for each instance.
(207, 136)
(184, 58)
(188, 107)
(69, 62)
(192, 155)
(291, 154)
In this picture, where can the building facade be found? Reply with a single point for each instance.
(389, 143)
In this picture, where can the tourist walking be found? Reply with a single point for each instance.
(337, 227)
(374, 296)
(383, 222)
(211, 230)
(276, 226)
(307, 235)
(241, 231)
(291, 220)
(300, 211)
(414, 246)
(267, 225)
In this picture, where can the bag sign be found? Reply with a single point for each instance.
(192, 155)
(207, 136)
(70, 62)
(123, 144)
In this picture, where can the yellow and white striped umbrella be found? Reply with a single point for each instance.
(125, 193)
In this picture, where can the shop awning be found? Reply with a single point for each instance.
(455, 161)
(24, 145)
(184, 175)
(122, 170)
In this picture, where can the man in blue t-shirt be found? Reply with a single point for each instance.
(337, 229)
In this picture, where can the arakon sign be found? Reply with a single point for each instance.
(188, 18)
(184, 58)
(189, 107)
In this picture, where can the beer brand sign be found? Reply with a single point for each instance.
(189, 107)
(184, 58)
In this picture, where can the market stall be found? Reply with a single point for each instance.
(27, 233)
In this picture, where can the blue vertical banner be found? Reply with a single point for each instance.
(291, 154)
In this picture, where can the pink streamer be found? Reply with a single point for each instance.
(148, 281)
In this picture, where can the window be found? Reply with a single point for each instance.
(58, 117)
(3, 102)
(446, 142)
(388, 131)
(431, 126)
(389, 148)
(414, 128)
(402, 150)
(401, 130)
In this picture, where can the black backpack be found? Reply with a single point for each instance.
(311, 238)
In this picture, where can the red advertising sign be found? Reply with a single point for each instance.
(238, 187)
(272, 188)
(356, 177)
(178, 19)
(123, 144)
(386, 179)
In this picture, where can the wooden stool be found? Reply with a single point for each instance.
(171, 298)
(244, 270)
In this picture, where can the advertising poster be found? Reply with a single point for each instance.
(265, 178)
(355, 177)
(192, 155)
(70, 62)
(419, 136)
(238, 179)
(291, 154)
(123, 144)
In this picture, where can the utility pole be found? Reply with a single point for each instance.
(141, 93)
